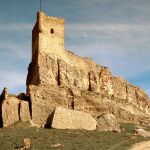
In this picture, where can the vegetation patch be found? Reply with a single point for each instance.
(49, 139)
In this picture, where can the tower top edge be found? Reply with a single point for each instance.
(41, 13)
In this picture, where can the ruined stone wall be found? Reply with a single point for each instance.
(57, 77)
(47, 38)
(90, 88)
(83, 74)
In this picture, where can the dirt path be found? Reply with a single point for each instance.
(141, 146)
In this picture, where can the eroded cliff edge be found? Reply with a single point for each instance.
(78, 83)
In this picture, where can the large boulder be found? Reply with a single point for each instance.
(107, 122)
(142, 132)
(72, 119)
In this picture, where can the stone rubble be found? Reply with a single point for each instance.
(108, 122)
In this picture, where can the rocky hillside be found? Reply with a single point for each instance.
(79, 84)
(58, 77)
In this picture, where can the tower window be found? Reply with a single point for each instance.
(52, 31)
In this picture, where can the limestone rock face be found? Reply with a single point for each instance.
(44, 99)
(58, 77)
(76, 87)
(107, 122)
(10, 111)
(14, 110)
(72, 119)
(24, 111)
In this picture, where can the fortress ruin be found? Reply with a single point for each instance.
(58, 77)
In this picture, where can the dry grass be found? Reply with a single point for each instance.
(50, 139)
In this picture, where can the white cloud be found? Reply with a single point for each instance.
(15, 26)
(15, 54)
(110, 32)
(83, 29)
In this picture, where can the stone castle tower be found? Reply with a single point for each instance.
(47, 39)
(48, 34)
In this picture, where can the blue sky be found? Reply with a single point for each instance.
(115, 33)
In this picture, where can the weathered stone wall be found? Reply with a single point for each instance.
(95, 91)
(58, 77)
(48, 38)
(80, 73)
(48, 34)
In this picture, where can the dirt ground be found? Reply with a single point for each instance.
(141, 146)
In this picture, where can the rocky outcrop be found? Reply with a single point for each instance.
(12, 109)
(45, 101)
(57, 77)
(72, 119)
(108, 122)
(95, 91)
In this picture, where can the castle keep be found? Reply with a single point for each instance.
(48, 35)
(58, 77)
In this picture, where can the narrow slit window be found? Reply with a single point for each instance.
(52, 31)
